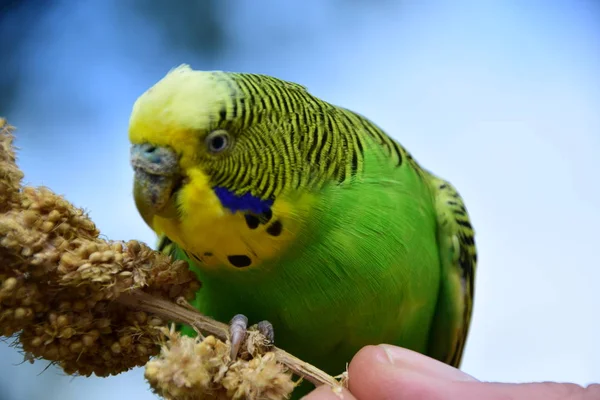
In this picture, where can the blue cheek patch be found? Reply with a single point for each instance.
(245, 203)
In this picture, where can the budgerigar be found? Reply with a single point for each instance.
(304, 214)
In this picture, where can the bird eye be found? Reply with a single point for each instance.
(217, 141)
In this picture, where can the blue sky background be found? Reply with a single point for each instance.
(502, 98)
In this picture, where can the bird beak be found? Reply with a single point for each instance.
(157, 180)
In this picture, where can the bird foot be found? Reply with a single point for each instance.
(238, 332)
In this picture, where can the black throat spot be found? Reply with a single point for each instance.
(240, 260)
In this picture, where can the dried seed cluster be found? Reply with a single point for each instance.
(193, 369)
(58, 280)
(10, 174)
(58, 285)
(20, 301)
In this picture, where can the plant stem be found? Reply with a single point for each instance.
(170, 311)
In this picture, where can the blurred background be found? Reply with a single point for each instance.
(502, 98)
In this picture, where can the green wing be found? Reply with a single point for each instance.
(456, 240)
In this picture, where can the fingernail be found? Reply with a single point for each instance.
(417, 362)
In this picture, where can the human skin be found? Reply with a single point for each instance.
(390, 372)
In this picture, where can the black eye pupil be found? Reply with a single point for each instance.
(217, 143)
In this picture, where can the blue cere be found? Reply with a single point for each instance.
(246, 202)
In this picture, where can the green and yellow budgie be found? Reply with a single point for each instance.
(304, 214)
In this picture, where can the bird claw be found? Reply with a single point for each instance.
(238, 328)
(266, 328)
(238, 331)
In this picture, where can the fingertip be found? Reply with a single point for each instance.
(363, 367)
(325, 392)
(378, 372)
(423, 364)
(371, 374)
(369, 355)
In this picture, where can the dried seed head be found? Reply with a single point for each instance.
(10, 174)
(186, 368)
(189, 368)
(260, 378)
(59, 280)
(20, 300)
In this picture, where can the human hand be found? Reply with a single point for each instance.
(389, 372)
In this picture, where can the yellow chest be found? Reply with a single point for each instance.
(216, 237)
